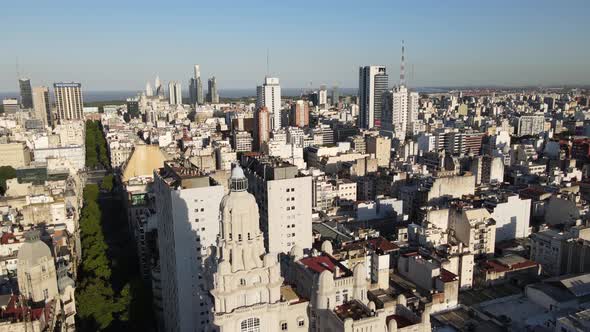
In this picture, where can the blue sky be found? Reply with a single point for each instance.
(115, 45)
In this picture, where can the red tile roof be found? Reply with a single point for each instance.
(7, 238)
(447, 276)
(382, 244)
(496, 266)
(319, 264)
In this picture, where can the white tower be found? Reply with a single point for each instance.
(158, 86)
(175, 93)
(269, 95)
(402, 109)
(148, 89)
(197, 71)
(247, 276)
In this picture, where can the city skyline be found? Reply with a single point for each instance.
(461, 44)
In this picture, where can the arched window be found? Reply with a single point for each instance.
(250, 325)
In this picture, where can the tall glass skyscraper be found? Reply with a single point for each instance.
(196, 87)
(373, 81)
(26, 93)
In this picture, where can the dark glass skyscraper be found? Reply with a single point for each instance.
(373, 81)
(212, 95)
(26, 93)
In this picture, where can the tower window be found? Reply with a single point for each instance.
(284, 326)
(300, 322)
(250, 325)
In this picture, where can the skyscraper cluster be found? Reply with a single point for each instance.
(392, 110)
(382, 210)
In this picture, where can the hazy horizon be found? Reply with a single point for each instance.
(112, 46)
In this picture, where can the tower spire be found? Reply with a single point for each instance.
(402, 72)
(267, 65)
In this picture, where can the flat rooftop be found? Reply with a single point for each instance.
(459, 319)
(352, 309)
(289, 294)
(518, 311)
(401, 321)
(475, 296)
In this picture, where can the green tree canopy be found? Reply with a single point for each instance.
(6, 172)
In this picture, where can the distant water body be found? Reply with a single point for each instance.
(98, 96)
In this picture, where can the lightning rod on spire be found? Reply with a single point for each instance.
(402, 73)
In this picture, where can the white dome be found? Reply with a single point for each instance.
(237, 173)
(33, 249)
(392, 325)
(327, 247)
(296, 252)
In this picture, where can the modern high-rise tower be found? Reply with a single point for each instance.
(373, 81)
(335, 95)
(261, 127)
(300, 114)
(196, 87)
(269, 96)
(158, 87)
(148, 89)
(212, 95)
(26, 93)
(41, 106)
(68, 101)
(175, 93)
(323, 95)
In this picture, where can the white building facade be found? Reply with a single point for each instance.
(187, 210)
(248, 289)
(269, 95)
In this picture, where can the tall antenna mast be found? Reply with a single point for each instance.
(17, 69)
(267, 66)
(402, 72)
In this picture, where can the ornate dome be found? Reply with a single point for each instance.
(33, 249)
(238, 181)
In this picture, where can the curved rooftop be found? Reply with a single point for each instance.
(143, 161)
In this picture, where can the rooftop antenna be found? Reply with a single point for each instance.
(402, 72)
(267, 61)
(17, 69)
